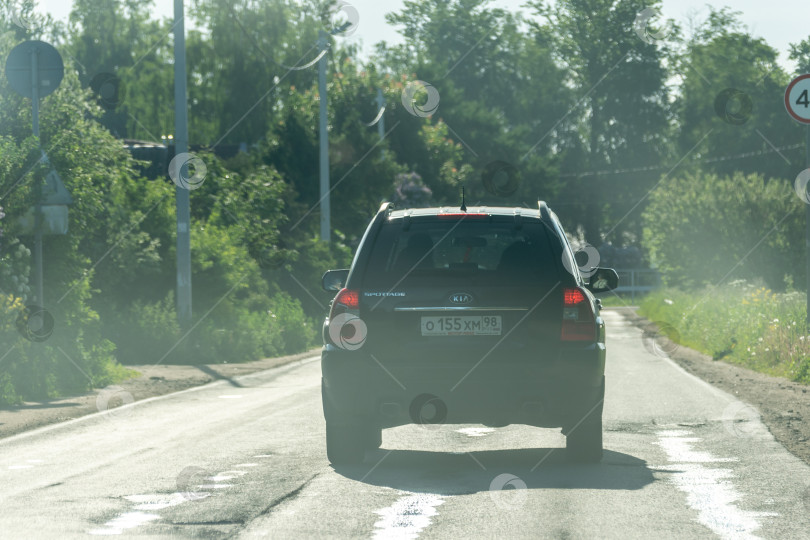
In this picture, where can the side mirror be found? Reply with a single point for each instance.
(603, 280)
(334, 280)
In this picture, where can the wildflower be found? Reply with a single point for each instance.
(776, 320)
(668, 302)
(767, 349)
(760, 340)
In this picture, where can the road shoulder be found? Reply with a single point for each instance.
(783, 404)
(154, 380)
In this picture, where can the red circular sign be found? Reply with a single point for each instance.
(797, 98)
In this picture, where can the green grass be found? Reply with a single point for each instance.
(741, 323)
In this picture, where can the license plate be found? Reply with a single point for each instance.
(481, 325)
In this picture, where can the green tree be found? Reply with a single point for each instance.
(731, 102)
(701, 229)
(622, 115)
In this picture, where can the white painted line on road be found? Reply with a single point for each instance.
(156, 501)
(407, 517)
(230, 396)
(123, 522)
(709, 491)
(475, 431)
(247, 465)
(60, 425)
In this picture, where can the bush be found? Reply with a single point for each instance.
(73, 358)
(149, 333)
(701, 229)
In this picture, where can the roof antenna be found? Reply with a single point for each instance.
(463, 203)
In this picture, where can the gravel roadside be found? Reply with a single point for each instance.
(152, 381)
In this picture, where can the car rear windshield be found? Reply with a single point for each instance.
(471, 250)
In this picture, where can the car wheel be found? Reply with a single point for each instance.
(584, 442)
(343, 446)
(347, 439)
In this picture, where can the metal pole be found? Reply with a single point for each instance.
(380, 105)
(324, 140)
(807, 229)
(181, 147)
(39, 288)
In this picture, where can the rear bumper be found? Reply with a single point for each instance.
(556, 392)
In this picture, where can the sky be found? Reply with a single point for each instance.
(779, 22)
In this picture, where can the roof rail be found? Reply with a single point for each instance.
(545, 213)
(386, 207)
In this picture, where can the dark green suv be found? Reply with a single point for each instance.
(456, 316)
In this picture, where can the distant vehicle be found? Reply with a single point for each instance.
(478, 315)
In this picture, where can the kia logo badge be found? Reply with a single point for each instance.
(461, 298)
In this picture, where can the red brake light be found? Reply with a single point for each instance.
(348, 298)
(579, 322)
(463, 215)
(573, 297)
(345, 300)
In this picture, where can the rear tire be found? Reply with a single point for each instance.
(343, 445)
(347, 438)
(584, 442)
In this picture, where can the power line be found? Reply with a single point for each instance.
(659, 167)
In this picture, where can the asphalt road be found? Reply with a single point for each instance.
(246, 458)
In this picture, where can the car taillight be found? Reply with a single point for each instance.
(345, 300)
(578, 322)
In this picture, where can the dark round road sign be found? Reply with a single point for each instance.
(50, 68)
(797, 99)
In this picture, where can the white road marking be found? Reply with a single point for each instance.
(475, 431)
(709, 490)
(156, 501)
(407, 517)
(230, 396)
(123, 522)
